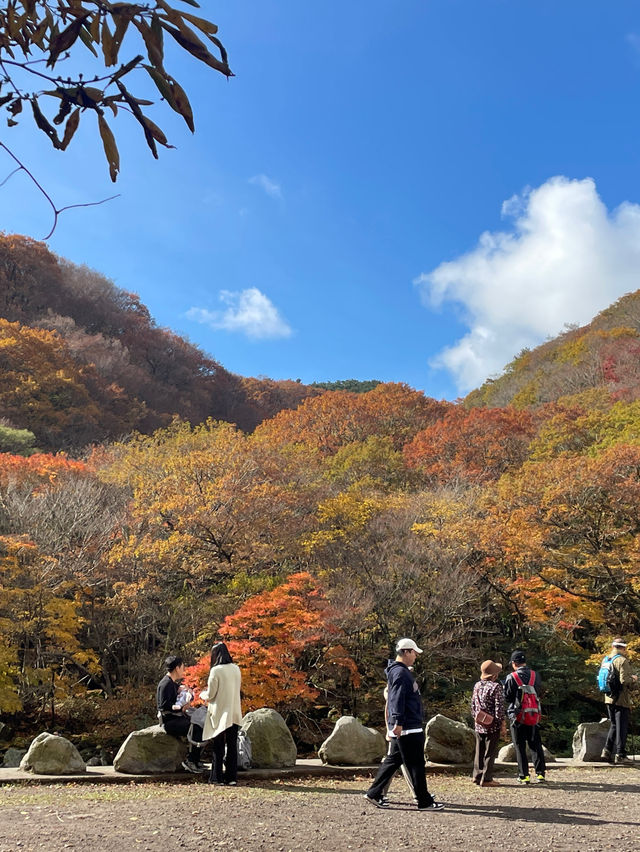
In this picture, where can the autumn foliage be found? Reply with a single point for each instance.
(310, 540)
(274, 637)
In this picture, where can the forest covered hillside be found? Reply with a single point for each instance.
(309, 533)
(82, 361)
(603, 354)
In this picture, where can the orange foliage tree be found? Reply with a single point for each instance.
(337, 418)
(288, 646)
(43, 389)
(476, 445)
(562, 538)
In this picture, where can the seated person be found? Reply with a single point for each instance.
(173, 715)
(185, 696)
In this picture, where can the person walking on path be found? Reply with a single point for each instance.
(390, 740)
(224, 715)
(520, 710)
(618, 705)
(173, 713)
(487, 709)
(405, 726)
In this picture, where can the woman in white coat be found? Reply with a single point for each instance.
(224, 715)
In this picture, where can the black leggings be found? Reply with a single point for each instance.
(227, 739)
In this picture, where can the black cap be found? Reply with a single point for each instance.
(518, 657)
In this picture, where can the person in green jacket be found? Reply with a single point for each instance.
(619, 706)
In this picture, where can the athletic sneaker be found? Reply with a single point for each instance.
(606, 755)
(541, 779)
(524, 780)
(231, 783)
(434, 806)
(378, 803)
(190, 766)
(623, 760)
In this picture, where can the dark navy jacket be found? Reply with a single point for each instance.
(511, 690)
(404, 704)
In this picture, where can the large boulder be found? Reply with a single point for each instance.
(12, 757)
(507, 754)
(272, 746)
(150, 750)
(49, 754)
(589, 740)
(351, 744)
(448, 741)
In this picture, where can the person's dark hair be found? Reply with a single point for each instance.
(173, 662)
(220, 655)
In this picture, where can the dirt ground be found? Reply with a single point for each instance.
(579, 809)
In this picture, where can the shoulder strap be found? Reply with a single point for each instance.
(517, 678)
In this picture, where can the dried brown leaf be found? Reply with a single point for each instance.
(110, 147)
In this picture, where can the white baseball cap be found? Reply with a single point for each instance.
(407, 645)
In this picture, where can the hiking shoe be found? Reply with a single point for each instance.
(622, 760)
(378, 803)
(190, 766)
(524, 780)
(606, 755)
(541, 779)
(434, 806)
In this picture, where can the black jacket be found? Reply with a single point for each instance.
(166, 696)
(404, 704)
(511, 690)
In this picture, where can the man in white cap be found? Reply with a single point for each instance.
(618, 705)
(405, 722)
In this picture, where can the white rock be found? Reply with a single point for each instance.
(351, 744)
(49, 754)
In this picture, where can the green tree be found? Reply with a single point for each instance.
(20, 442)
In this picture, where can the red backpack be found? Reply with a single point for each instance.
(529, 712)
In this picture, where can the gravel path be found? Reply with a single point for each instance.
(579, 809)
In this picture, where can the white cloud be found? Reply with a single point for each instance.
(565, 259)
(249, 312)
(272, 188)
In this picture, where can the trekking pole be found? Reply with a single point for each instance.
(407, 778)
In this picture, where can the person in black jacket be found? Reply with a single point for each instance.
(173, 715)
(405, 720)
(521, 733)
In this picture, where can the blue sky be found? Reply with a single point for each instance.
(408, 191)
